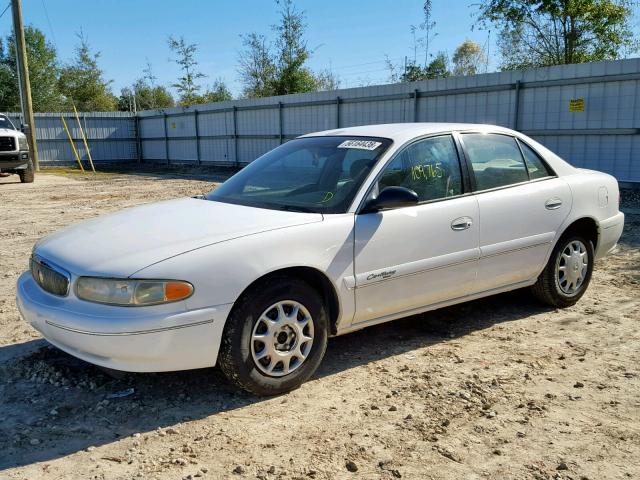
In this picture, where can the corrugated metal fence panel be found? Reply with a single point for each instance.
(111, 137)
(605, 136)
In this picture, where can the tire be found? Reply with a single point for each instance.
(554, 287)
(28, 174)
(256, 316)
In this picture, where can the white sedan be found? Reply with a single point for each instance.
(326, 234)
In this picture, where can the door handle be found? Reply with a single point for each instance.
(553, 204)
(461, 223)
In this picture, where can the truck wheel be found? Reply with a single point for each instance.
(28, 174)
(275, 337)
(566, 276)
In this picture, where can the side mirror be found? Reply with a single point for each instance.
(22, 127)
(391, 197)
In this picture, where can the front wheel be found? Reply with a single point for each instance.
(275, 337)
(27, 175)
(566, 276)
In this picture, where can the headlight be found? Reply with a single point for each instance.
(22, 143)
(134, 293)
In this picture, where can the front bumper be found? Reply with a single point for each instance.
(14, 160)
(132, 339)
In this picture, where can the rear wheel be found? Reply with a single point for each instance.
(275, 337)
(567, 273)
(27, 175)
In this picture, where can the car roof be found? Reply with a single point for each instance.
(403, 131)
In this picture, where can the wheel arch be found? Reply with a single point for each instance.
(316, 279)
(585, 226)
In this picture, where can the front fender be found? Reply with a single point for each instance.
(221, 272)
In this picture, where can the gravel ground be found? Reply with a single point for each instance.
(496, 388)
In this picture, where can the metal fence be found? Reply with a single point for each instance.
(112, 137)
(589, 114)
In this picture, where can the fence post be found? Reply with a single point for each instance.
(166, 138)
(516, 107)
(235, 136)
(195, 118)
(415, 105)
(338, 100)
(280, 122)
(136, 131)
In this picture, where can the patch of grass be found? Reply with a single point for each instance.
(69, 171)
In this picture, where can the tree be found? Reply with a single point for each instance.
(144, 94)
(185, 58)
(468, 58)
(82, 81)
(187, 86)
(537, 33)
(280, 68)
(292, 52)
(257, 67)
(218, 92)
(326, 80)
(437, 68)
(43, 73)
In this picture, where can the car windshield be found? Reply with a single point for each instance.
(6, 123)
(313, 174)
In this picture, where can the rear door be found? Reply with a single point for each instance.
(521, 205)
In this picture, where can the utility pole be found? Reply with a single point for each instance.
(23, 75)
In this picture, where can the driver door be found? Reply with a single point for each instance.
(411, 257)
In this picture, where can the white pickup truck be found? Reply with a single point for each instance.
(14, 151)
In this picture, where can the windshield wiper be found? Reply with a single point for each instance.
(296, 208)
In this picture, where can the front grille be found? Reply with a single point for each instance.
(7, 144)
(50, 279)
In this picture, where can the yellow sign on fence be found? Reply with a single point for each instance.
(576, 105)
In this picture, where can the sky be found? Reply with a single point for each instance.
(350, 38)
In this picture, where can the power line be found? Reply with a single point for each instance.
(53, 35)
(5, 10)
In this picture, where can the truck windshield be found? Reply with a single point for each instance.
(6, 123)
(312, 174)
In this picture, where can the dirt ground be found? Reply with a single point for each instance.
(496, 388)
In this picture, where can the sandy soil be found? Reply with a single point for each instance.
(496, 388)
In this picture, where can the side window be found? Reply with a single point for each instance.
(495, 159)
(429, 167)
(535, 165)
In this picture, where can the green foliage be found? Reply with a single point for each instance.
(438, 68)
(43, 66)
(257, 69)
(145, 96)
(187, 86)
(218, 92)
(537, 33)
(468, 58)
(185, 58)
(292, 53)
(82, 82)
(280, 68)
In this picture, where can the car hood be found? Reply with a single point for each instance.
(7, 131)
(122, 243)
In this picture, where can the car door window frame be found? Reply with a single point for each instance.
(460, 134)
(464, 173)
(546, 165)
